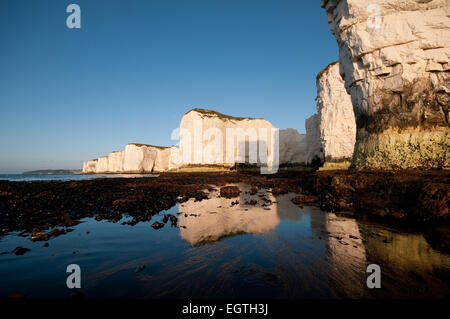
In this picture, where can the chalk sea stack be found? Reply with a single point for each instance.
(396, 69)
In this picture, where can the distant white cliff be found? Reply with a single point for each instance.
(136, 158)
(207, 137)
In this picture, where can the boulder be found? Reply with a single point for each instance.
(229, 191)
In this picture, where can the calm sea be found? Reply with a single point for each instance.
(64, 177)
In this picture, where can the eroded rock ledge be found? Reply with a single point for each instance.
(396, 68)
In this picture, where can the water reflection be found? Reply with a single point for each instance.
(261, 247)
(216, 218)
(349, 245)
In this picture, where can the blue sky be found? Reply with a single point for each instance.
(135, 67)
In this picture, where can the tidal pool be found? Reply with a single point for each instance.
(252, 246)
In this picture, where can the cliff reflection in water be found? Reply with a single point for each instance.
(349, 245)
(219, 217)
(251, 246)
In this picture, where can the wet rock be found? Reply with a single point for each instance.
(157, 225)
(304, 199)
(5, 195)
(37, 235)
(439, 238)
(122, 201)
(130, 222)
(59, 231)
(229, 191)
(173, 220)
(421, 196)
(276, 191)
(69, 222)
(433, 201)
(20, 250)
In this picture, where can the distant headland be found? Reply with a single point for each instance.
(53, 172)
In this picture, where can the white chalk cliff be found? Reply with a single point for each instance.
(331, 133)
(136, 158)
(209, 137)
(292, 147)
(394, 57)
(314, 150)
(337, 119)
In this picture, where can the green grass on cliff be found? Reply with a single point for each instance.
(211, 113)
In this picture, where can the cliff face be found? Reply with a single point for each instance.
(209, 137)
(337, 119)
(89, 167)
(136, 158)
(292, 147)
(394, 58)
(314, 150)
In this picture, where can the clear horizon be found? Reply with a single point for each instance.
(135, 67)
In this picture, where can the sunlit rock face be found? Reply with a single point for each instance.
(394, 58)
(139, 158)
(102, 164)
(89, 167)
(115, 161)
(292, 147)
(208, 137)
(217, 218)
(337, 119)
(314, 150)
(136, 158)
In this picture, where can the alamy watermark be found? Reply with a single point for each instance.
(374, 20)
(374, 279)
(73, 21)
(74, 279)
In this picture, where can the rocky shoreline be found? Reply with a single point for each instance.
(416, 199)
